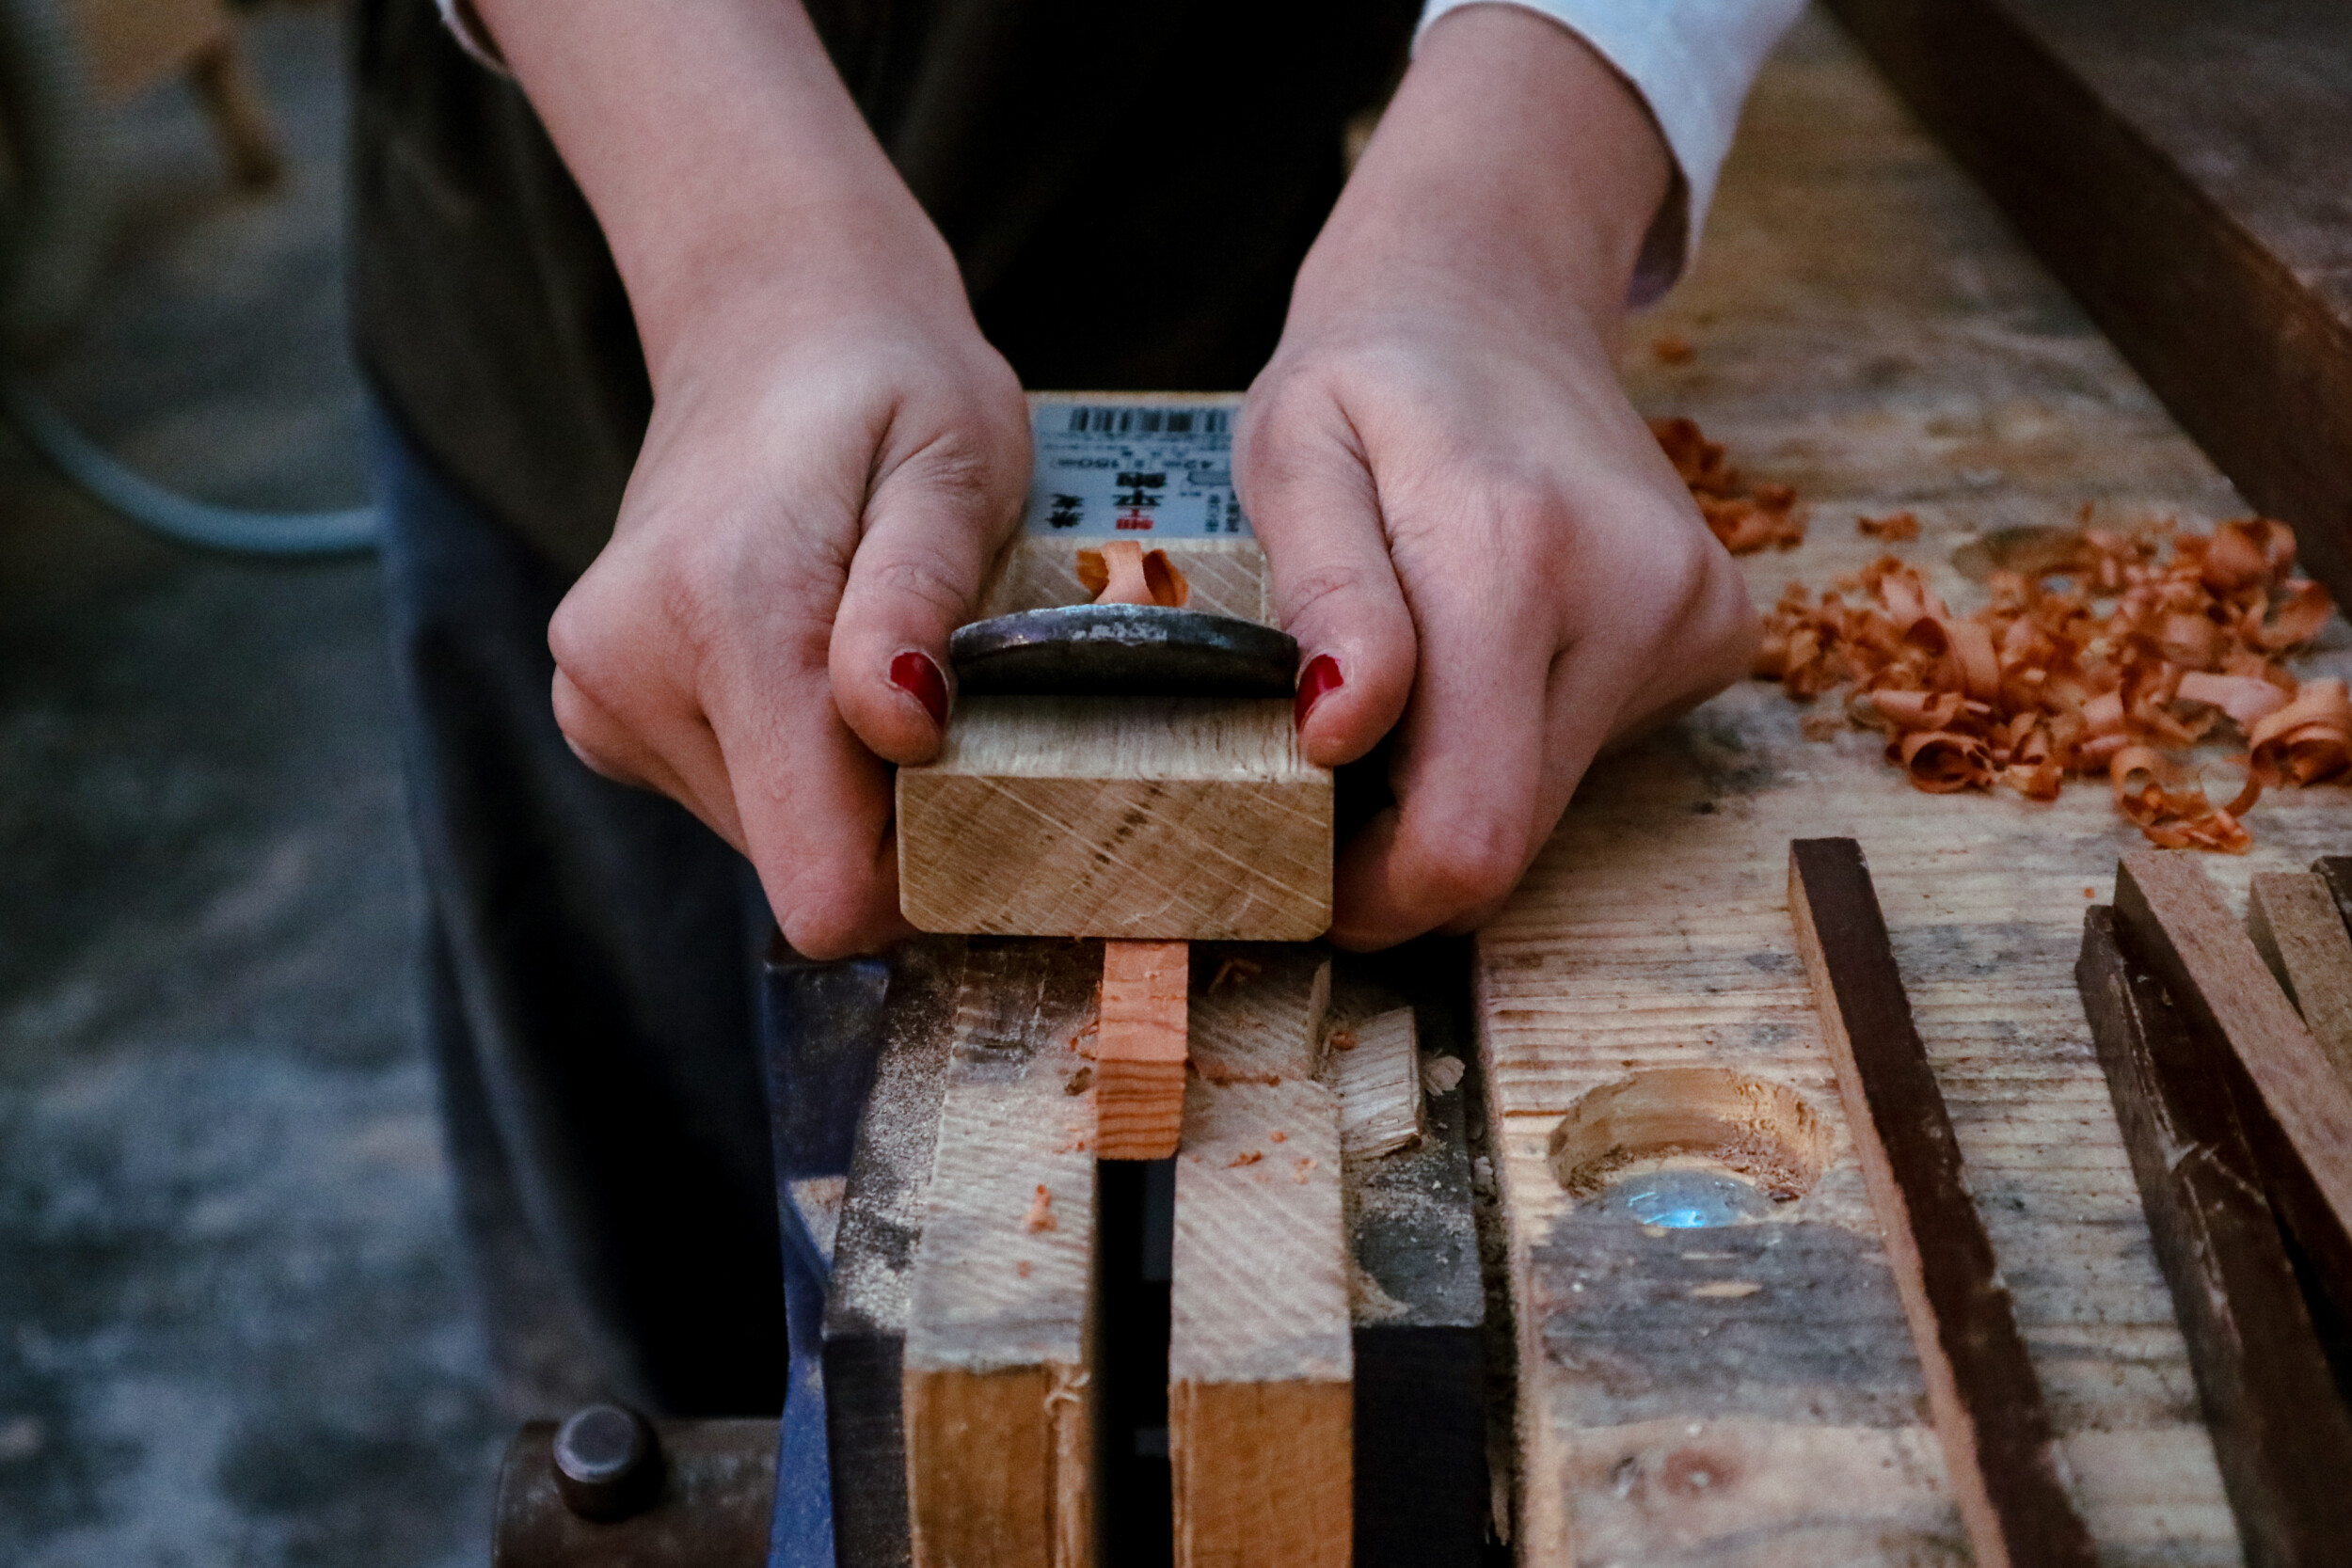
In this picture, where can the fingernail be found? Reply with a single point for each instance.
(913, 673)
(1317, 681)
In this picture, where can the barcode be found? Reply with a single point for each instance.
(1149, 422)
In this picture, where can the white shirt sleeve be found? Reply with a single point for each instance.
(1692, 61)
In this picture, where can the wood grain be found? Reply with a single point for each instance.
(1260, 1358)
(1132, 819)
(2297, 1110)
(1999, 1449)
(998, 1406)
(2297, 928)
(2177, 165)
(2284, 1446)
(1377, 1080)
(1227, 577)
(1867, 329)
(1138, 1049)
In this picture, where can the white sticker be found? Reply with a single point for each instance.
(1134, 471)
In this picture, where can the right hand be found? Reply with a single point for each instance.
(825, 483)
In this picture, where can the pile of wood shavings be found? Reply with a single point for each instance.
(1746, 517)
(2114, 658)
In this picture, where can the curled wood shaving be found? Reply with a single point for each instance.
(2113, 656)
(1122, 572)
(1894, 529)
(1746, 517)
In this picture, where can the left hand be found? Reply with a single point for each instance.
(1467, 524)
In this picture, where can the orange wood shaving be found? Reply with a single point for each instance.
(1894, 529)
(1040, 1215)
(1673, 350)
(2111, 658)
(1745, 518)
(1122, 572)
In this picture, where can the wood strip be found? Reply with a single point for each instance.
(2176, 163)
(1999, 1447)
(1261, 1401)
(2297, 1112)
(996, 1385)
(1377, 1078)
(1138, 1049)
(1170, 819)
(2295, 928)
(2285, 1446)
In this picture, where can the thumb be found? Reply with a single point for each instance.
(1335, 590)
(918, 576)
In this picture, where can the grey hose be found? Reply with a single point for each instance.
(55, 210)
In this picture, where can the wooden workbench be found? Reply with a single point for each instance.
(1870, 331)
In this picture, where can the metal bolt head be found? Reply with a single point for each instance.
(607, 1463)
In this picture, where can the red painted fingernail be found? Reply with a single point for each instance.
(913, 673)
(1317, 681)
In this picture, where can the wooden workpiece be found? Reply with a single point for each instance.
(1374, 1069)
(1867, 328)
(2297, 1110)
(1998, 1449)
(2301, 936)
(2283, 1444)
(1259, 1364)
(1138, 1049)
(2180, 165)
(998, 1410)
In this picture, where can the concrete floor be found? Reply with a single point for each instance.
(234, 1321)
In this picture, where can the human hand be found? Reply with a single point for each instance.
(834, 457)
(1469, 530)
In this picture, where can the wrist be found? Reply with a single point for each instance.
(1513, 169)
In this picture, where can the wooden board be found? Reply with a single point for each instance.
(1260, 1362)
(2297, 928)
(1377, 1079)
(2179, 165)
(1998, 1449)
(1138, 1049)
(998, 1412)
(1867, 329)
(2285, 1446)
(2297, 1110)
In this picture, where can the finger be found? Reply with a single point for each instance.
(933, 529)
(816, 809)
(1309, 492)
(1468, 774)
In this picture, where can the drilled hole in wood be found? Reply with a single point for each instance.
(1688, 1146)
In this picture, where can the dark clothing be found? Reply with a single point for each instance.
(590, 956)
(1129, 190)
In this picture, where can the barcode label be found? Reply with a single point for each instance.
(1129, 470)
(1149, 422)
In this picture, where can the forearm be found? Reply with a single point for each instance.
(1511, 167)
(724, 158)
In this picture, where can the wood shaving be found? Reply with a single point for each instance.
(1122, 572)
(1342, 1040)
(2116, 657)
(1232, 971)
(1673, 350)
(1080, 1081)
(1303, 1167)
(1040, 1215)
(1442, 1075)
(1246, 1157)
(1895, 529)
(1023, 1268)
(1746, 517)
(1278, 1136)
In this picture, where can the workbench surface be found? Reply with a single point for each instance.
(1868, 330)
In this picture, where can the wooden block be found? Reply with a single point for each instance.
(1260, 1362)
(2283, 1444)
(1138, 1049)
(998, 1406)
(1377, 1079)
(1167, 819)
(2297, 928)
(2297, 1110)
(1999, 1447)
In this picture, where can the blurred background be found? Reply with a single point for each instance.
(234, 1325)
